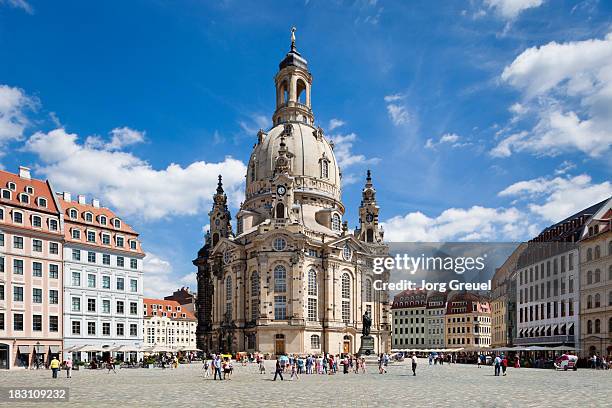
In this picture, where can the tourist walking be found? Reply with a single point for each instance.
(206, 368)
(414, 363)
(262, 366)
(504, 364)
(55, 365)
(381, 364)
(278, 371)
(217, 368)
(294, 371)
(497, 363)
(110, 365)
(363, 365)
(68, 365)
(480, 360)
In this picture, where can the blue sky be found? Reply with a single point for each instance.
(481, 120)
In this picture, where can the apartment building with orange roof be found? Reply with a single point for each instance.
(31, 271)
(168, 323)
(103, 285)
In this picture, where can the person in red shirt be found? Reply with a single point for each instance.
(504, 364)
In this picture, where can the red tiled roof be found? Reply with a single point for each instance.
(41, 189)
(172, 304)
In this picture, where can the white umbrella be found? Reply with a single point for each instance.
(90, 348)
(126, 348)
(159, 349)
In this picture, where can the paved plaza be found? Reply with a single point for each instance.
(438, 386)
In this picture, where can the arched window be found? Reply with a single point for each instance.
(346, 286)
(610, 248)
(597, 326)
(336, 222)
(280, 210)
(315, 342)
(589, 277)
(252, 172)
(370, 235)
(228, 288)
(589, 302)
(589, 254)
(280, 279)
(324, 169)
(597, 300)
(215, 239)
(368, 290)
(73, 214)
(228, 297)
(255, 284)
(610, 298)
(312, 282)
(346, 298)
(254, 296)
(597, 252)
(597, 276)
(610, 325)
(301, 91)
(610, 272)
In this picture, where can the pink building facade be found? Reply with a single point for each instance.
(31, 272)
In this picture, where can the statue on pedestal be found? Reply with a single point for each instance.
(367, 323)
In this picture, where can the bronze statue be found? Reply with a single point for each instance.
(367, 323)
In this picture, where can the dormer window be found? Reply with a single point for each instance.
(24, 198)
(11, 186)
(106, 239)
(117, 223)
(102, 220)
(42, 202)
(119, 241)
(29, 189)
(133, 244)
(17, 217)
(91, 236)
(76, 234)
(88, 217)
(36, 221)
(73, 214)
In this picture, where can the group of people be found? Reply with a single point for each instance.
(599, 362)
(315, 364)
(222, 367)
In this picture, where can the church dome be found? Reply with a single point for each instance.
(311, 159)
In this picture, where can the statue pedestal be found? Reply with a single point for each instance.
(367, 346)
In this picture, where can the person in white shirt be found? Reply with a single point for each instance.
(414, 363)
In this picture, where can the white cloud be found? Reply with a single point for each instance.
(562, 196)
(21, 4)
(343, 150)
(254, 123)
(13, 120)
(568, 86)
(456, 224)
(124, 136)
(160, 278)
(510, 9)
(397, 110)
(129, 184)
(335, 123)
(448, 138)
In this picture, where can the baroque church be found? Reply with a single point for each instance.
(292, 278)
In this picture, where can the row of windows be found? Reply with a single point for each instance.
(595, 301)
(37, 294)
(92, 257)
(105, 238)
(595, 277)
(37, 322)
(37, 268)
(106, 306)
(594, 327)
(35, 220)
(24, 198)
(595, 252)
(106, 282)
(535, 292)
(92, 328)
(546, 310)
(37, 244)
(536, 272)
(413, 330)
(88, 217)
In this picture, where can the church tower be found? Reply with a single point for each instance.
(369, 230)
(220, 216)
(292, 279)
(293, 82)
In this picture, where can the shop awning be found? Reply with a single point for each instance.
(54, 349)
(23, 349)
(38, 349)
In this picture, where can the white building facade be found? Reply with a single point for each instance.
(103, 282)
(167, 323)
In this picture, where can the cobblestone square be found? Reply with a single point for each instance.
(436, 386)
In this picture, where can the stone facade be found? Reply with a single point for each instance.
(292, 279)
(468, 321)
(596, 284)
